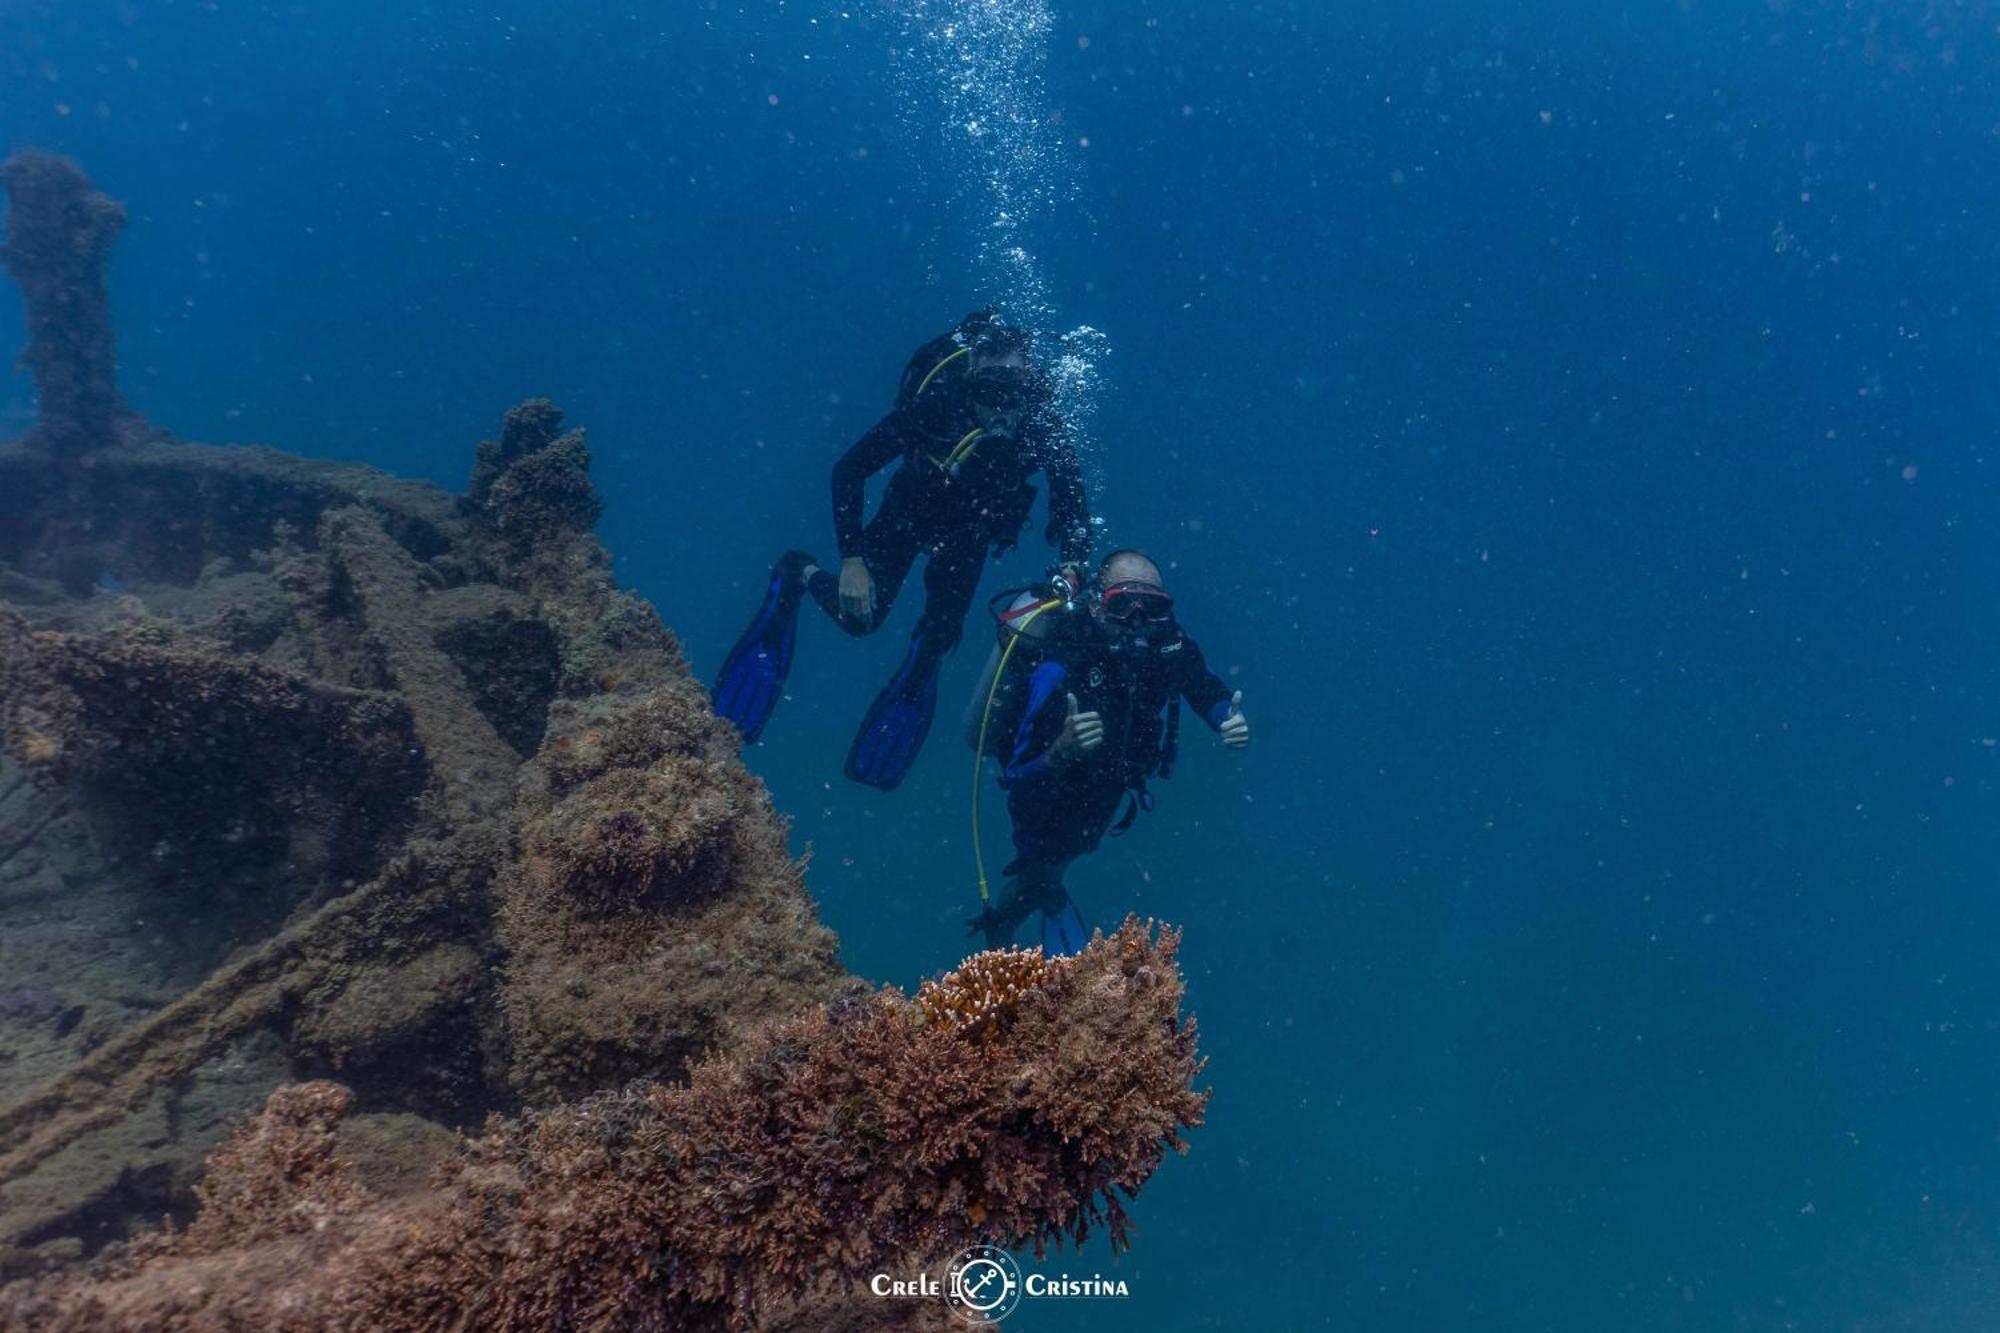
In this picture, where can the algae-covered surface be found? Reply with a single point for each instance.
(383, 811)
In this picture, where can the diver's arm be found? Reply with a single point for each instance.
(880, 447)
(1069, 504)
(1029, 758)
(1204, 691)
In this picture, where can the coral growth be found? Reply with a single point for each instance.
(633, 945)
(982, 997)
(650, 839)
(845, 1141)
(279, 1173)
(527, 428)
(593, 737)
(533, 481)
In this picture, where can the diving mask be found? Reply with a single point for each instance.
(1137, 605)
(999, 389)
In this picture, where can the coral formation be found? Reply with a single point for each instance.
(317, 777)
(983, 996)
(278, 1174)
(534, 478)
(636, 840)
(848, 1140)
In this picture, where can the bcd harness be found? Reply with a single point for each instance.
(1162, 766)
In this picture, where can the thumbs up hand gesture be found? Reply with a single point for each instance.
(1081, 733)
(1235, 729)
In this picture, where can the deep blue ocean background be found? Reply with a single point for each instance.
(1570, 425)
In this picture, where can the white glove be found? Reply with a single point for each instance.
(1235, 729)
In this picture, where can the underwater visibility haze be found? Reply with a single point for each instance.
(1570, 427)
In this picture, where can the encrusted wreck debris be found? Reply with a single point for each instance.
(833, 1145)
(316, 774)
(59, 233)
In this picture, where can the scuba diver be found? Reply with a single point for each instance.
(971, 423)
(1082, 725)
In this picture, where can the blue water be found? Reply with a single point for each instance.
(1569, 425)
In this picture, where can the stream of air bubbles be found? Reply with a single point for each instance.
(973, 72)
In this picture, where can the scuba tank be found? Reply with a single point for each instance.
(1029, 622)
(1026, 618)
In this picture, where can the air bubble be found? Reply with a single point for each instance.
(977, 90)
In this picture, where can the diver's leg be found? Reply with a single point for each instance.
(1095, 809)
(1042, 884)
(1035, 812)
(1032, 886)
(1054, 822)
(951, 577)
(889, 546)
(1063, 929)
(900, 718)
(1087, 813)
(1026, 891)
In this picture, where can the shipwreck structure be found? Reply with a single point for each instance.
(342, 818)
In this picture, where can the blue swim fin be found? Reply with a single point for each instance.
(1063, 929)
(897, 721)
(752, 678)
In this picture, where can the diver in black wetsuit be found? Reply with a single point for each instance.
(1093, 716)
(971, 424)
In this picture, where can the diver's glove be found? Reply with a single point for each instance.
(1081, 733)
(1235, 729)
(857, 591)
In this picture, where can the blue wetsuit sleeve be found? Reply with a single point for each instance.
(1028, 755)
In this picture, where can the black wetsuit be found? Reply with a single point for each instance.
(1060, 813)
(960, 493)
